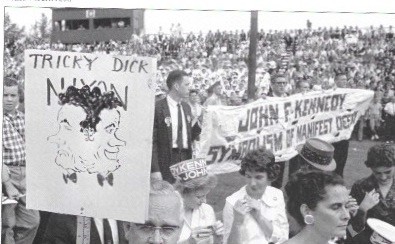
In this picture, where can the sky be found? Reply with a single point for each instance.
(195, 21)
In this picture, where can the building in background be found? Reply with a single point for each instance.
(78, 25)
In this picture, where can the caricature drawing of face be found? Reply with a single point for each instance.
(87, 150)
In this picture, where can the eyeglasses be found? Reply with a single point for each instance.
(164, 230)
(280, 83)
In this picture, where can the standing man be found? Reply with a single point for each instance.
(172, 127)
(341, 147)
(19, 225)
(277, 89)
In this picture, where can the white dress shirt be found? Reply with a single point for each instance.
(196, 110)
(113, 226)
(272, 208)
(390, 108)
(174, 123)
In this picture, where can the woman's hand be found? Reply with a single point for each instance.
(240, 210)
(201, 235)
(370, 200)
(254, 204)
(218, 228)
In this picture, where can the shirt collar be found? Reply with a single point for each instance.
(17, 115)
(267, 198)
(172, 102)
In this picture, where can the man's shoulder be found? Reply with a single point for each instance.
(160, 104)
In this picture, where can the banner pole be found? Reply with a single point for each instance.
(252, 55)
(83, 230)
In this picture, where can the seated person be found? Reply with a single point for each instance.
(199, 218)
(375, 194)
(256, 213)
(318, 201)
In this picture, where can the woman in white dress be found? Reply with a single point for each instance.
(193, 183)
(256, 213)
(318, 201)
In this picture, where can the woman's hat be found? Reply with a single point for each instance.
(189, 169)
(383, 233)
(318, 153)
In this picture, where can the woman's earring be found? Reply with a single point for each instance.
(309, 219)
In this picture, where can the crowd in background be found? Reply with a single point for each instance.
(312, 56)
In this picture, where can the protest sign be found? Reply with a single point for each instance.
(88, 137)
(278, 124)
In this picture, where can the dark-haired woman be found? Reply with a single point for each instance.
(256, 213)
(318, 202)
(375, 194)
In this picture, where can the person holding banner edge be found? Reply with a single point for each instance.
(172, 135)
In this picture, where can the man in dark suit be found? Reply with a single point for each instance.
(62, 229)
(172, 127)
(341, 147)
(277, 89)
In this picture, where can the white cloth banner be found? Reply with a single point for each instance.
(89, 121)
(278, 124)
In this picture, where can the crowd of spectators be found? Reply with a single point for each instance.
(312, 56)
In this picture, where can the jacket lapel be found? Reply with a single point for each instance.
(95, 238)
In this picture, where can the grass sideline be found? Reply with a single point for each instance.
(355, 169)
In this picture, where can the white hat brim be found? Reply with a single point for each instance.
(382, 228)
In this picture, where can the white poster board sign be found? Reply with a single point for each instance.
(89, 121)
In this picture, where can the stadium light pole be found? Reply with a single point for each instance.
(252, 55)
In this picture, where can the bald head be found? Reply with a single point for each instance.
(165, 217)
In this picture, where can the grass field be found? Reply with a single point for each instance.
(355, 169)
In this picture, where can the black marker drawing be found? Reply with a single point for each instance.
(87, 139)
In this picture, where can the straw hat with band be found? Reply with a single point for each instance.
(318, 153)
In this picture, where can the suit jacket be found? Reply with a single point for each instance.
(62, 229)
(162, 138)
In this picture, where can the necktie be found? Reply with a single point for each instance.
(179, 128)
(107, 232)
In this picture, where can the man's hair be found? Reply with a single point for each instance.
(9, 82)
(340, 74)
(93, 102)
(164, 188)
(174, 76)
(299, 83)
(275, 76)
(381, 155)
(260, 160)
(308, 187)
